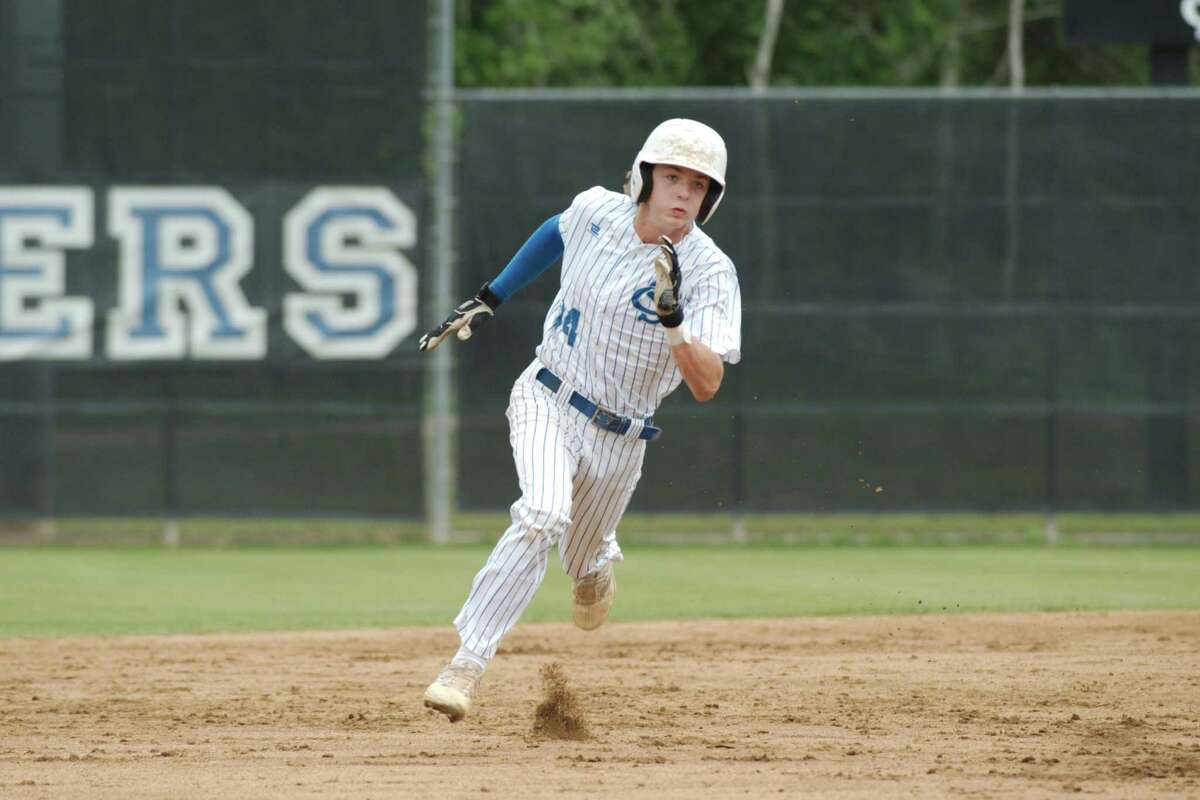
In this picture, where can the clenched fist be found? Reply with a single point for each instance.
(468, 316)
(667, 278)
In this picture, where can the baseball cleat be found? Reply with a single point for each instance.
(592, 597)
(454, 689)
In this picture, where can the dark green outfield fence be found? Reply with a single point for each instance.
(960, 301)
(950, 302)
(268, 100)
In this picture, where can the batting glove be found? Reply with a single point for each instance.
(468, 316)
(667, 278)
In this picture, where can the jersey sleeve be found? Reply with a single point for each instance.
(713, 312)
(571, 219)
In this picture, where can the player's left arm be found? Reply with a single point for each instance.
(702, 368)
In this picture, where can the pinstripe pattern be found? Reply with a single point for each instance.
(576, 479)
(618, 359)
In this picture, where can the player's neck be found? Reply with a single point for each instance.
(649, 232)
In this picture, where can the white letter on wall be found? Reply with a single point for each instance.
(36, 225)
(343, 241)
(189, 247)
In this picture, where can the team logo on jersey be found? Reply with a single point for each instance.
(595, 229)
(643, 301)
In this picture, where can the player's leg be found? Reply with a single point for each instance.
(503, 588)
(505, 585)
(609, 471)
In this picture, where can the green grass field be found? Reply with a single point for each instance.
(907, 528)
(59, 591)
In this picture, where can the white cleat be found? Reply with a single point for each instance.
(454, 689)
(592, 597)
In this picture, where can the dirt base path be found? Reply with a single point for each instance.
(1020, 706)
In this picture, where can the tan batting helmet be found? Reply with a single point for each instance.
(682, 143)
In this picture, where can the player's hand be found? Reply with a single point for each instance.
(468, 316)
(667, 278)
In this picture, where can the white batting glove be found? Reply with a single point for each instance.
(468, 316)
(667, 278)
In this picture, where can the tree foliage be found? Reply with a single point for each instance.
(570, 43)
(821, 43)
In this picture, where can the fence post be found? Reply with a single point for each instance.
(170, 471)
(439, 424)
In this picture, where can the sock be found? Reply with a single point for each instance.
(464, 654)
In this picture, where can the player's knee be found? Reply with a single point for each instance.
(540, 520)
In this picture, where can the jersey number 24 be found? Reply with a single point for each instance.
(568, 321)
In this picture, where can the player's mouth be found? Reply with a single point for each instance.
(678, 212)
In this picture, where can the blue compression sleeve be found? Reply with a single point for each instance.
(540, 250)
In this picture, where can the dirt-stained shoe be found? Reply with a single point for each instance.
(592, 597)
(454, 689)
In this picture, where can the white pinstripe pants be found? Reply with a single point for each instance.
(576, 480)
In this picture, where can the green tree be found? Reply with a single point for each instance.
(902, 43)
(820, 43)
(570, 43)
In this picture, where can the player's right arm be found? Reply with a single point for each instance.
(701, 366)
(541, 250)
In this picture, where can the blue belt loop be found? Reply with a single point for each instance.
(615, 423)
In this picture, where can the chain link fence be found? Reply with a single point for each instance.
(964, 301)
(266, 100)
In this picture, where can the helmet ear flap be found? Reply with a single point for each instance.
(710, 200)
(647, 180)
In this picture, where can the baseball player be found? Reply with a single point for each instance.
(647, 300)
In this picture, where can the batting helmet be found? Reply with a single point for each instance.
(682, 143)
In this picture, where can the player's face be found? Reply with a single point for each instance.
(677, 194)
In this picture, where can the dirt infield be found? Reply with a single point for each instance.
(1104, 704)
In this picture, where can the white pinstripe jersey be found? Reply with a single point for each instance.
(602, 335)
